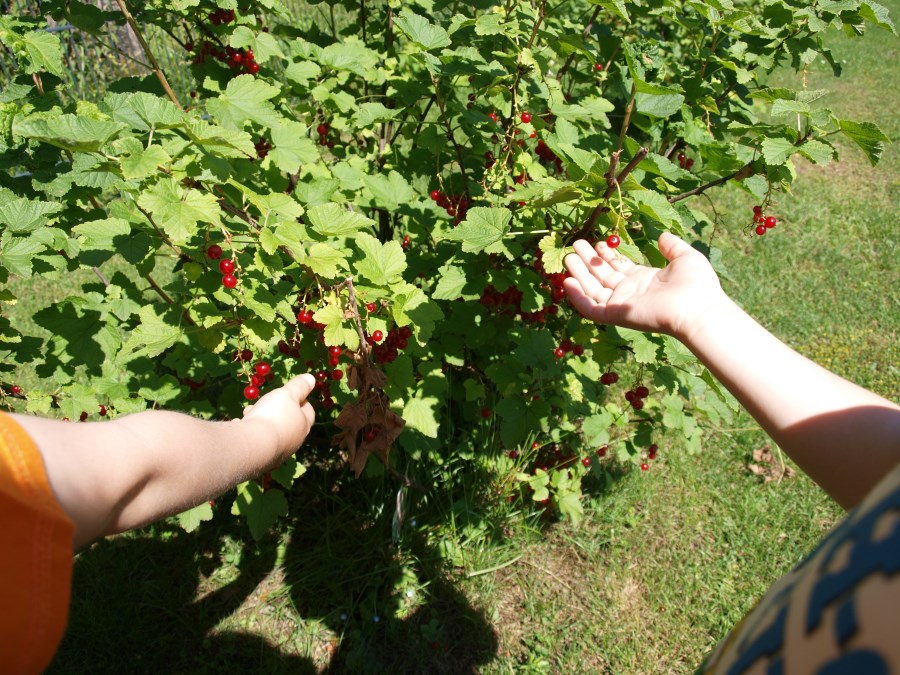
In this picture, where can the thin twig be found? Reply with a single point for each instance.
(149, 54)
(495, 568)
(96, 270)
(741, 173)
(627, 120)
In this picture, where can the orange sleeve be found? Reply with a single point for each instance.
(36, 559)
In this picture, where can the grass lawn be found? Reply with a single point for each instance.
(665, 562)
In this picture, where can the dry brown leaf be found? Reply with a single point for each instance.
(765, 464)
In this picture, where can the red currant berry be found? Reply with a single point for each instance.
(229, 281)
(83, 417)
(613, 241)
(16, 389)
(334, 351)
(642, 392)
(526, 117)
(226, 266)
(770, 222)
(251, 392)
(304, 316)
(102, 410)
(535, 445)
(322, 130)
(253, 68)
(601, 451)
(637, 404)
(757, 210)
(371, 307)
(263, 369)
(334, 360)
(598, 67)
(256, 380)
(435, 195)
(486, 413)
(559, 352)
(630, 396)
(645, 467)
(586, 462)
(371, 435)
(246, 355)
(214, 251)
(377, 336)
(760, 230)
(578, 350)
(512, 454)
(337, 374)
(249, 55)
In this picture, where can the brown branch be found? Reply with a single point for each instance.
(96, 270)
(354, 311)
(740, 174)
(149, 54)
(612, 182)
(628, 110)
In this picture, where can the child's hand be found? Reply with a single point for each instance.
(608, 288)
(286, 412)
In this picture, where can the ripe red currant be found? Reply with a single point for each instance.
(251, 392)
(229, 281)
(770, 222)
(377, 336)
(578, 350)
(435, 195)
(256, 380)
(559, 352)
(334, 350)
(246, 355)
(83, 417)
(226, 266)
(102, 410)
(642, 392)
(486, 413)
(371, 307)
(337, 374)
(214, 251)
(637, 404)
(535, 445)
(760, 230)
(526, 117)
(253, 68)
(601, 451)
(16, 390)
(263, 369)
(586, 462)
(645, 467)
(304, 316)
(512, 454)
(757, 210)
(613, 241)
(598, 67)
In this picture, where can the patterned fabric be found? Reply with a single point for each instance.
(836, 612)
(36, 559)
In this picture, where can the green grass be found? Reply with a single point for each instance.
(664, 563)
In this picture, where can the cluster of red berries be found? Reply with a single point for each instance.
(510, 302)
(324, 377)
(636, 396)
(609, 377)
(226, 266)
(555, 279)
(221, 16)
(397, 340)
(567, 347)
(261, 374)
(455, 205)
(322, 130)
(262, 147)
(237, 59)
(763, 222)
(684, 161)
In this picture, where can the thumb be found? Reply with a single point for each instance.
(300, 387)
(672, 246)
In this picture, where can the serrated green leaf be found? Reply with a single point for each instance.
(44, 53)
(100, 234)
(338, 329)
(817, 152)
(776, 150)
(418, 29)
(450, 283)
(877, 14)
(143, 111)
(153, 336)
(421, 414)
(245, 99)
(17, 254)
(369, 113)
(786, 107)
(70, 132)
(190, 520)
(867, 136)
(261, 509)
(483, 230)
(390, 191)
(333, 220)
(655, 206)
(412, 306)
(291, 148)
(351, 54)
(221, 141)
(179, 212)
(263, 44)
(325, 260)
(382, 263)
(144, 162)
(24, 215)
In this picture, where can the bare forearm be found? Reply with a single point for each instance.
(845, 437)
(112, 476)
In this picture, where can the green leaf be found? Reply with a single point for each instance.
(143, 111)
(302, 72)
(333, 220)
(325, 260)
(220, 141)
(817, 152)
(338, 330)
(261, 509)
(190, 520)
(101, 234)
(596, 428)
(369, 113)
(570, 506)
(246, 99)
(412, 306)
(143, 163)
(390, 191)
(263, 44)
(178, 211)
(877, 14)
(291, 147)
(867, 136)
(25, 215)
(655, 206)
(382, 263)
(776, 150)
(70, 132)
(44, 53)
(538, 482)
(351, 54)
(657, 101)
(152, 337)
(421, 414)
(483, 230)
(643, 347)
(450, 284)
(17, 253)
(783, 106)
(418, 29)
(288, 472)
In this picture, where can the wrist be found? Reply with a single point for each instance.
(704, 316)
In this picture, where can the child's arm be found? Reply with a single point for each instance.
(845, 437)
(113, 476)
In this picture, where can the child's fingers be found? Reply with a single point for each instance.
(592, 266)
(300, 387)
(615, 259)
